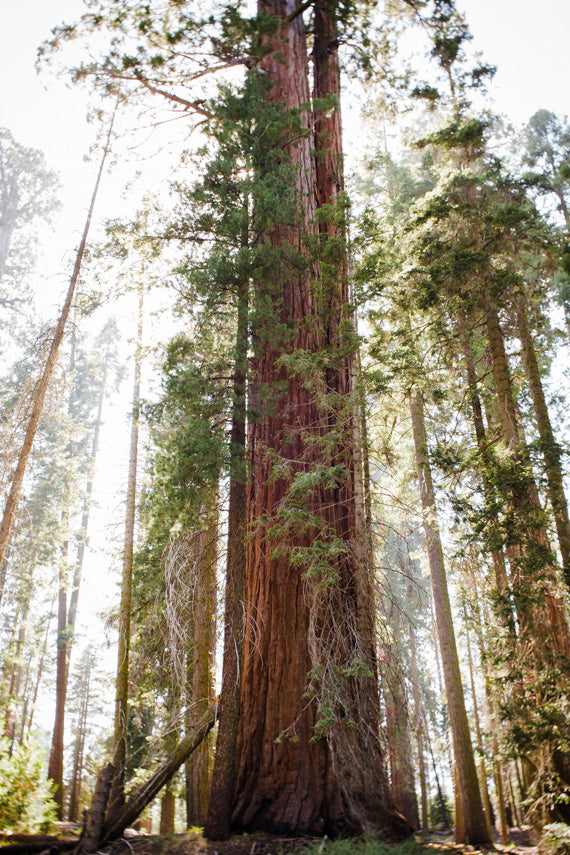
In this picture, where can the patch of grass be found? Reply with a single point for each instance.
(366, 846)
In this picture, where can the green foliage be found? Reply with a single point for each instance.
(28, 194)
(555, 839)
(25, 794)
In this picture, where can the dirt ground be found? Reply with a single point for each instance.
(143, 844)
(256, 844)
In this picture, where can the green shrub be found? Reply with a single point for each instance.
(25, 794)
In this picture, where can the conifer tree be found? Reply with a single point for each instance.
(47, 372)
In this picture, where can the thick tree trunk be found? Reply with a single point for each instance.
(304, 596)
(475, 827)
(550, 448)
(94, 820)
(167, 812)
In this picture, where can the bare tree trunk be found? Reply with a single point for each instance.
(167, 811)
(39, 674)
(95, 816)
(79, 749)
(74, 599)
(48, 369)
(117, 795)
(419, 730)
(475, 826)
(201, 667)
(479, 737)
(55, 767)
(398, 738)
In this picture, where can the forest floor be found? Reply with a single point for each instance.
(262, 844)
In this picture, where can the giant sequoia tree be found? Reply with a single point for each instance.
(309, 756)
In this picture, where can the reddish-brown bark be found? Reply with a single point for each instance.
(286, 779)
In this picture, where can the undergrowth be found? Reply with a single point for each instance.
(366, 846)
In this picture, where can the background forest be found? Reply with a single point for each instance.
(316, 581)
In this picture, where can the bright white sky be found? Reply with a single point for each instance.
(528, 41)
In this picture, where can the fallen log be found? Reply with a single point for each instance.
(145, 793)
(49, 844)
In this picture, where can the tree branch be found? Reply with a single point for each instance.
(299, 11)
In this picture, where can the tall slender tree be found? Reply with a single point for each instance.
(48, 369)
(117, 795)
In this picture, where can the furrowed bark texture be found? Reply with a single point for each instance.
(286, 780)
(466, 773)
(167, 812)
